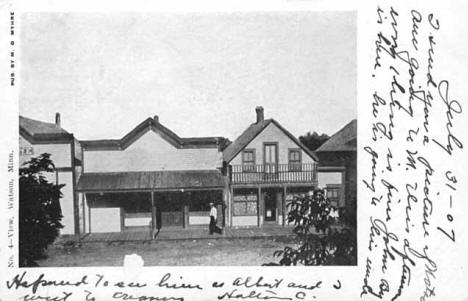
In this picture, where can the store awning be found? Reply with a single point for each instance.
(151, 180)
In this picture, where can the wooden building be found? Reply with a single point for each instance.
(151, 178)
(337, 166)
(266, 166)
(38, 137)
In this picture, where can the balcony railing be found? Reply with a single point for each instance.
(273, 173)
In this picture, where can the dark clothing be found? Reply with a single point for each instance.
(213, 227)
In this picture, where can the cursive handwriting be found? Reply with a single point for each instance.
(265, 295)
(19, 282)
(411, 147)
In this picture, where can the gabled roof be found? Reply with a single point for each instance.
(151, 124)
(233, 149)
(345, 140)
(36, 131)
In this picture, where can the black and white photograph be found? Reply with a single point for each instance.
(294, 150)
(218, 139)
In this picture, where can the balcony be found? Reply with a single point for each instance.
(273, 173)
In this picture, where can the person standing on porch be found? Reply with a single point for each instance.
(213, 220)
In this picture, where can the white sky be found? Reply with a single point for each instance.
(203, 74)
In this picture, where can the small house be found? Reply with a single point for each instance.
(267, 166)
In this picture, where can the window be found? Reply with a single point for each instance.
(24, 151)
(199, 201)
(248, 160)
(333, 194)
(245, 204)
(270, 158)
(295, 160)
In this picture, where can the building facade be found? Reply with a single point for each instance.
(337, 170)
(37, 137)
(266, 166)
(153, 179)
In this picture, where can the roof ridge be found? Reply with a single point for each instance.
(251, 132)
(150, 124)
(335, 136)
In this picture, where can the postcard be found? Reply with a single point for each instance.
(283, 150)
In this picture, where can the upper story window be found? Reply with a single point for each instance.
(295, 162)
(248, 160)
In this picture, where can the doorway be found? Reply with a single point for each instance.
(169, 209)
(272, 199)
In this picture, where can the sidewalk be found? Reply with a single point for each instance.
(186, 234)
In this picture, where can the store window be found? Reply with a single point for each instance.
(245, 203)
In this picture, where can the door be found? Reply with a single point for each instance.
(270, 158)
(270, 206)
(172, 218)
(169, 210)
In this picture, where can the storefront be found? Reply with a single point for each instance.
(142, 201)
(264, 205)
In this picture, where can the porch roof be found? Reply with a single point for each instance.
(151, 180)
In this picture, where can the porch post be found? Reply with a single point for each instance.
(224, 197)
(231, 205)
(86, 214)
(343, 189)
(259, 206)
(186, 214)
(284, 204)
(153, 215)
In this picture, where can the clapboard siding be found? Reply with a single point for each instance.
(151, 153)
(60, 153)
(272, 134)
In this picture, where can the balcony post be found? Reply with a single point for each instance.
(259, 206)
(284, 204)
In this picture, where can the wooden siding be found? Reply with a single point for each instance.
(60, 153)
(151, 152)
(66, 202)
(325, 178)
(272, 134)
(105, 220)
(61, 156)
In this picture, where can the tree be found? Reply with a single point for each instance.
(329, 247)
(39, 210)
(314, 140)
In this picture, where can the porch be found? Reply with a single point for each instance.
(140, 201)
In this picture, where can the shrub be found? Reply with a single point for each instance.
(39, 210)
(324, 246)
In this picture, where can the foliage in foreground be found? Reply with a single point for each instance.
(39, 210)
(310, 215)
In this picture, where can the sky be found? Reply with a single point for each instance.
(203, 74)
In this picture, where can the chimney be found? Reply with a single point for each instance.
(57, 120)
(156, 118)
(260, 115)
